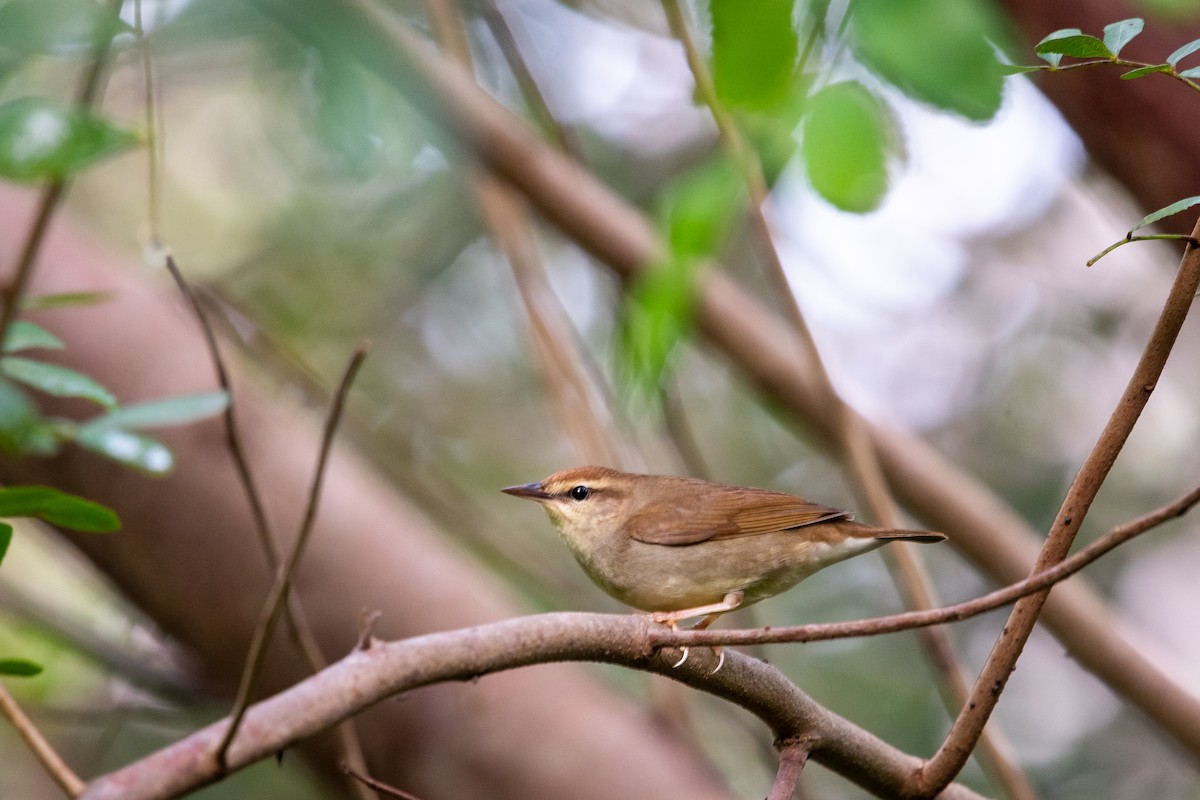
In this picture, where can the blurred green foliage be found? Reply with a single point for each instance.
(754, 49)
(40, 139)
(848, 145)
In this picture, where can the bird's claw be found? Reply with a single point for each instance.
(716, 669)
(682, 659)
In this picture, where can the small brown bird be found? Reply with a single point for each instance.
(683, 547)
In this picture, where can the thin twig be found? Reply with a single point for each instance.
(67, 780)
(233, 441)
(283, 577)
(1038, 582)
(52, 193)
(379, 786)
(299, 627)
(1192, 240)
(793, 755)
(153, 152)
(1003, 658)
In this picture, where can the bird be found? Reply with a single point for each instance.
(682, 548)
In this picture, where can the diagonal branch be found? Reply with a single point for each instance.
(383, 669)
(913, 619)
(276, 599)
(1003, 660)
(62, 774)
(295, 616)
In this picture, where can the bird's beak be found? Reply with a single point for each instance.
(530, 491)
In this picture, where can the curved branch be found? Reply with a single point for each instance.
(369, 675)
(375, 671)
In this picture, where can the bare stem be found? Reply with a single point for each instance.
(283, 577)
(67, 780)
(953, 753)
(298, 626)
(379, 786)
(1038, 582)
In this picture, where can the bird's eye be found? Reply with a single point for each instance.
(580, 493)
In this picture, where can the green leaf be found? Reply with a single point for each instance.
(58, 508)
(343, 112)
(40, 140)
(22, 430)
(1166, 211)
(657, 316)
(19, 667)
(1183, 52)
(56, 380)
(47, 26)
(754, 51)
(162, 413)
(1119, 34)
(1055, 58)
(132, 449)
(846, 145)
(697, 211)
(6, 532)
(27, 336)
(1078, 46)
(40, 302)
(941, 52)
(1141, 72)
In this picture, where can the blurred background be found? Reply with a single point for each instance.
(314, 207)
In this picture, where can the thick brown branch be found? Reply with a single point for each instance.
(370, 674)
(367, 676)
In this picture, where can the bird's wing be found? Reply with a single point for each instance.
(728, 511)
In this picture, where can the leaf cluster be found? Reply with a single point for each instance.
(115, 432)
(779, 70)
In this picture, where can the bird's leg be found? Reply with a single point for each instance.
(710, 613)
